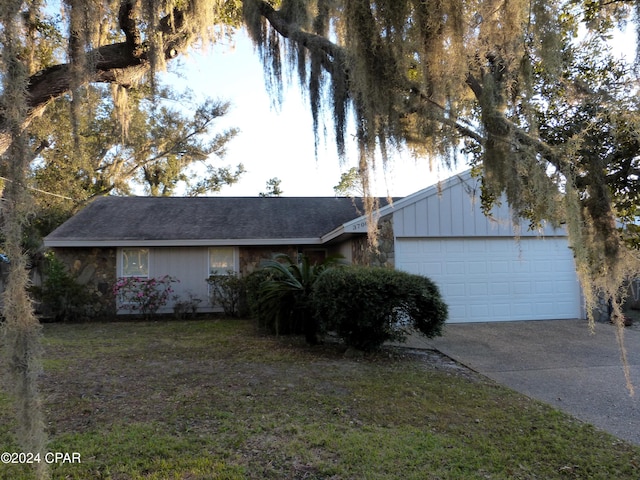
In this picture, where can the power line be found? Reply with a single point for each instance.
(42, 191)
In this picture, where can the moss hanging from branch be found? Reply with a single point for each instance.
(429, 74)
(21, 327)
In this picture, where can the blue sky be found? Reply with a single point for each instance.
(280, 143)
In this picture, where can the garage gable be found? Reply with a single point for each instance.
(452, 209)
(487, 269)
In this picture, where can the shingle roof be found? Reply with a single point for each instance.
(206, 218)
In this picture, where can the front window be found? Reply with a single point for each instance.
(222, 261)
(223, 281)
(135, 262)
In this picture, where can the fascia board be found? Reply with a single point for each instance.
(335, 233)
(181, 243)
(358, 224)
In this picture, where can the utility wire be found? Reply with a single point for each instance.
(42, 191)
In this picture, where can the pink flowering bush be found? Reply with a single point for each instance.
(143, 295)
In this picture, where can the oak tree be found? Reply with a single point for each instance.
(170, 144)
(503, 81)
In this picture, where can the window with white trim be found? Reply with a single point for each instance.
(135, 262)
(222, 267)
(222, 260)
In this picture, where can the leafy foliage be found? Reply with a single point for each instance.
(368, 306)
(227, 291)
(187, 306)
(62, 297)
(350, 184)
(143, 295)
(412, 74)
(273, 188)
(165, 148)
(253, 283)
(423, 74)
(550, 114)
(284, 297)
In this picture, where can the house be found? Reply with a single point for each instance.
(485, 268)
(193, 238)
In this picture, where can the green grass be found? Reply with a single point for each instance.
(216, 400)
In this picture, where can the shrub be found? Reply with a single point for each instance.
(368, 306)
(228, 292)
(143, 295)
(185, 307)
(284, 296)
(62, 297)
(253, 282)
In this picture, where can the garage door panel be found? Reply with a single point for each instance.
(476, 267)
(499, 289)
(522, 311)
(521, 266)
(544, 287)
(456, 290)
(543, 266)
(562, 287)
(546, 309)
(436, 268)
(481, 311)
(499, 266)
(565, 309)
(455, 268)
(474, 289)
(497, 279)
(457, 311)
(455, 246)
(499, 310)
(476, 247)
(521, 288)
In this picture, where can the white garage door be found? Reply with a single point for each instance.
(497, 279)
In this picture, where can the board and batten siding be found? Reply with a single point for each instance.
(453, 210)
(487, 269)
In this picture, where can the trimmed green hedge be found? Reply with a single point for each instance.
(368, 306)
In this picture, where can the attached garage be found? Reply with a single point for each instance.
(497, 279)
(486, 269)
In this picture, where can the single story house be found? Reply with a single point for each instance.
(485, 268)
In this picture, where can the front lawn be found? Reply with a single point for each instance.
(211, 399)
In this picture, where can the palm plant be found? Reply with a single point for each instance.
(284, 298)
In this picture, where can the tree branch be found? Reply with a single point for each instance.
(308, 40)
(127, 22)
(124, 63)
(336, 55)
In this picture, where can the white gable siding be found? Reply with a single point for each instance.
(455, 212)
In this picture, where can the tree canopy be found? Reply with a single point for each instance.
(527, 88)
(530, 91)
(510, 83)
(168, 144)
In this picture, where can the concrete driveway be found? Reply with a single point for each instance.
(559, 362)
